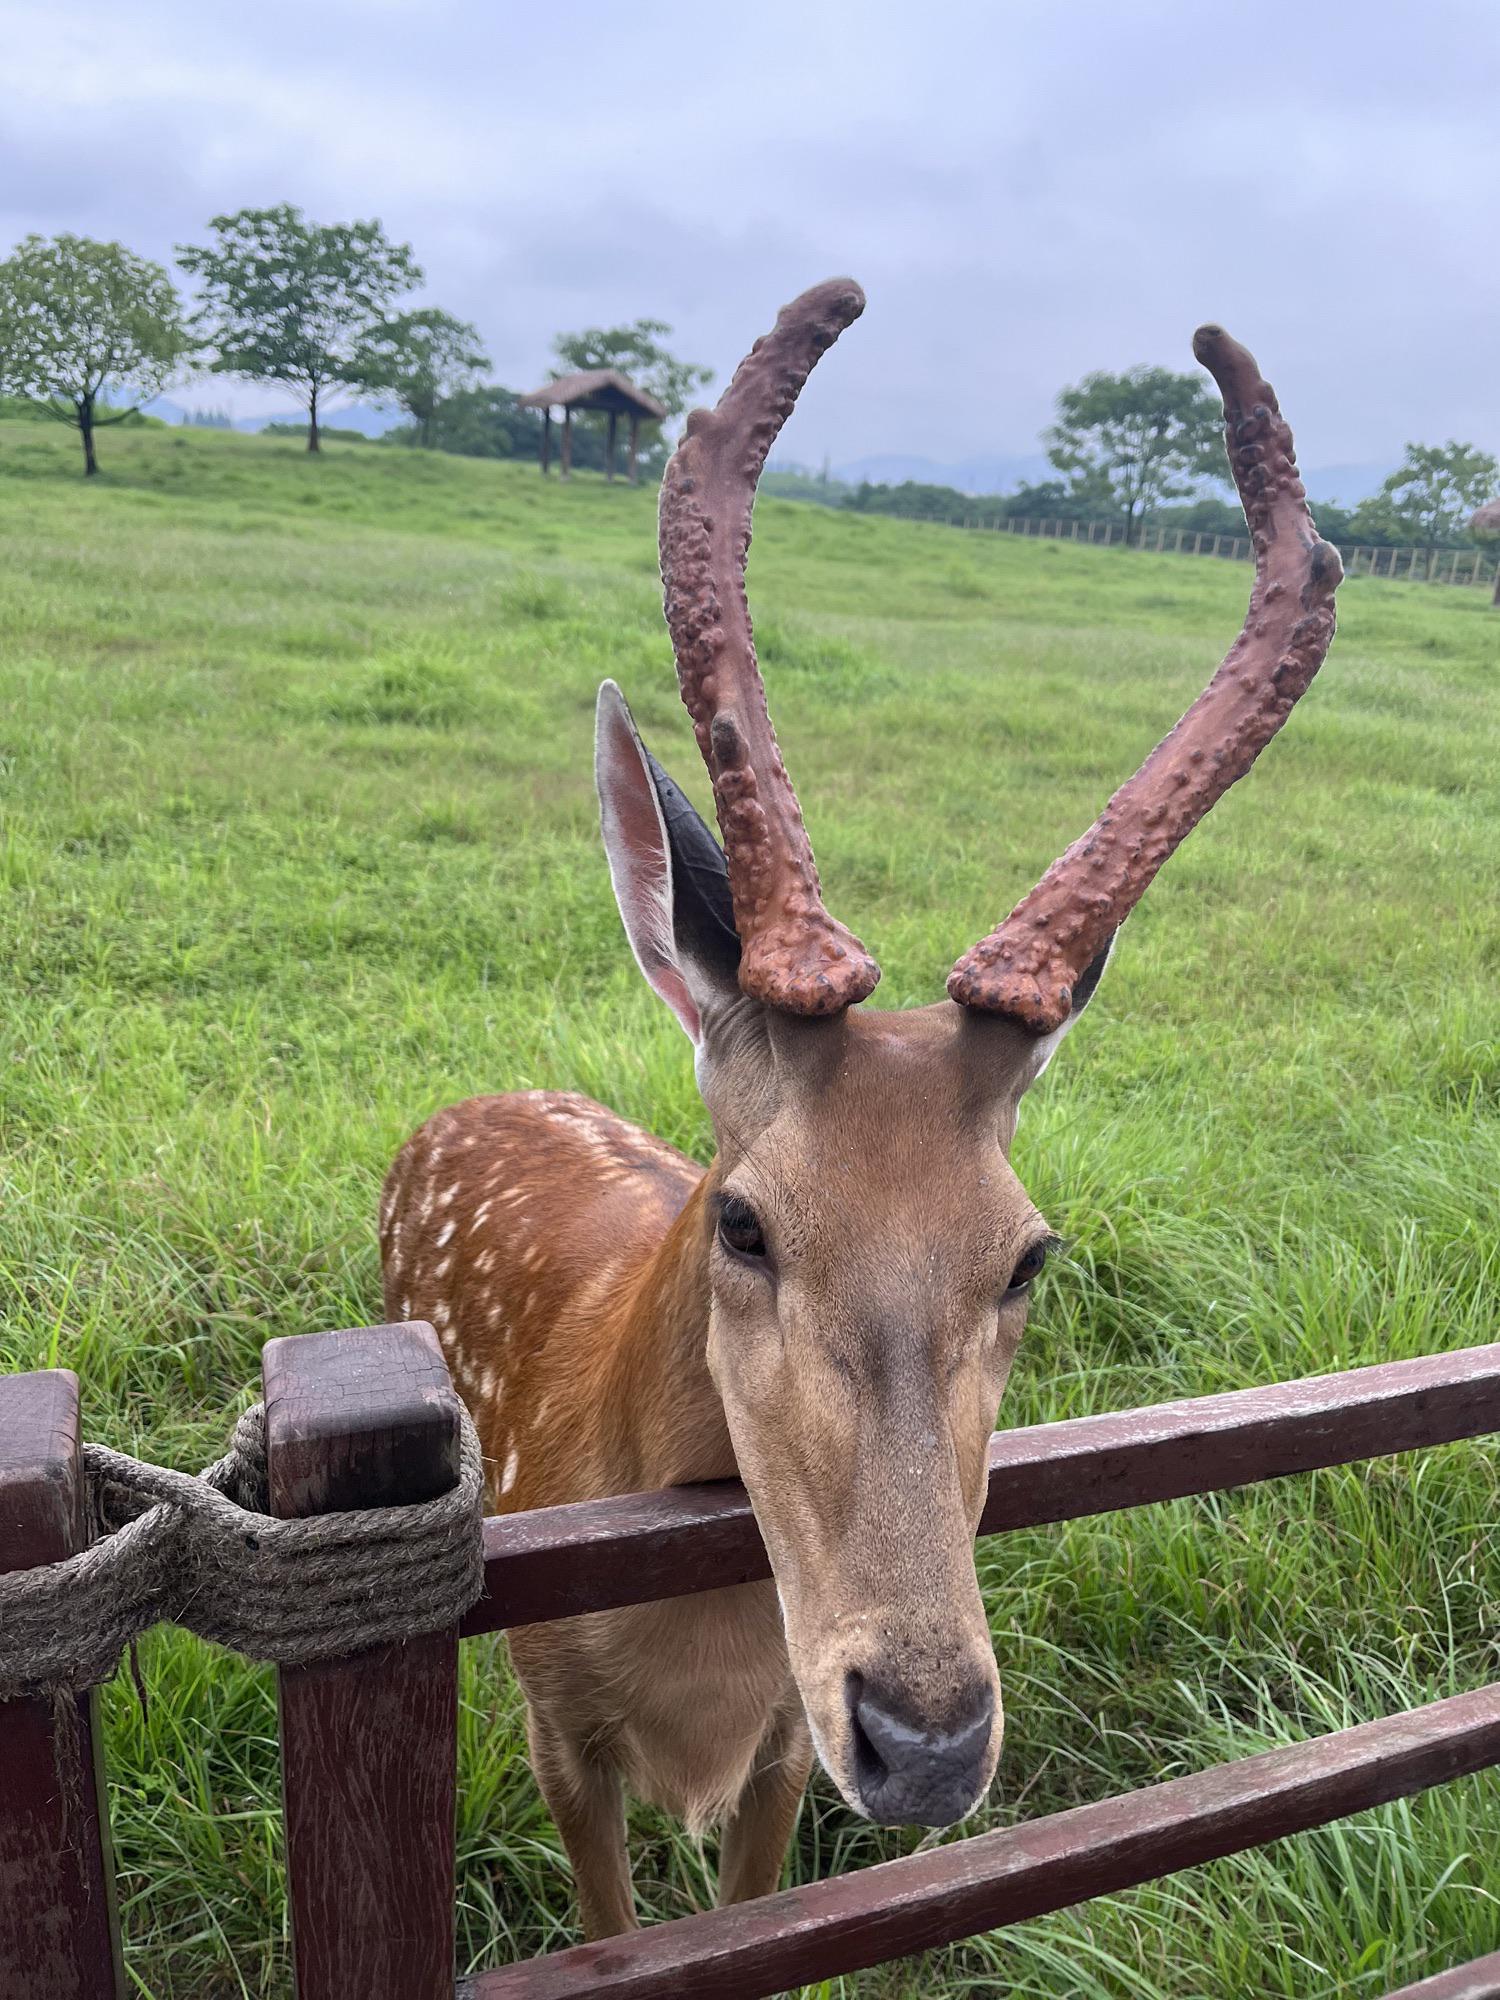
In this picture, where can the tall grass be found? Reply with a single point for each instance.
(298, 844)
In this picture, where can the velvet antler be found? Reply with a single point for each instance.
(793, 954)
(1028, 968)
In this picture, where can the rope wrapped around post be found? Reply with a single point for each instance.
(204, 1553)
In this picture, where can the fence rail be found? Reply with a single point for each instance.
(1445, 566)
(851, 1921)
(364, 1419)
(597, 1555)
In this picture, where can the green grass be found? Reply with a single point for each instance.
(299, 844)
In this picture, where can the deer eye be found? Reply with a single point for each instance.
(1029, 1266)
(739, 1228)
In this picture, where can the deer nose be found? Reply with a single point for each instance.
(908, 1774)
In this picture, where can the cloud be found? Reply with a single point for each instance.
(1026, 192)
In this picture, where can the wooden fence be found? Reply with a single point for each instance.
(369, 1744)
(1447, 566)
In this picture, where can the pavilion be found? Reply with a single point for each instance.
(595, 389)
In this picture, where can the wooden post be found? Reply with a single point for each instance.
(609, 449)
(546, 437)
(59, 1939)
(367, 1418)
(635, 433)
(566, 465)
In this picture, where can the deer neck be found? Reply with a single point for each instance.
(668, 1421)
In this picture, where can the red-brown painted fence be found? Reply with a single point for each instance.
(1477, 1981)
(852, 1921)
(58, 1935)
(598, 1554)
(367, 1418)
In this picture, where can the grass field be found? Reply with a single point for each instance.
(299, 844)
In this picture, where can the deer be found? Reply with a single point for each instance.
(830, 1310)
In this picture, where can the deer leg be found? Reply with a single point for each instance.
(585, 1797)
(756, 1834)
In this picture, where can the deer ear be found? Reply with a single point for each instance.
(669, 874)
(1087, 987)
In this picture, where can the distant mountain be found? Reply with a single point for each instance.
(362, 417)
(1001, 473)
(984, 473)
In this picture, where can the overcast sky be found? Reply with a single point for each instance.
(1026, 191)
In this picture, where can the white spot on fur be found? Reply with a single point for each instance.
(508, 1476)
(445, 1199)
(445, 1234)
(444, 1268)
(440, 1315)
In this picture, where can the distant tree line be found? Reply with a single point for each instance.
(1137, 449)
(89, 332)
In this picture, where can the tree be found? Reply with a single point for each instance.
(421, 359)
(484, 422)
(1136, 439)
(636, 351)
(290, 301)
(79, 318)
(1484, 528)
(1430, 495)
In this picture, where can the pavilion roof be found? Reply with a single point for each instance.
(595, 389)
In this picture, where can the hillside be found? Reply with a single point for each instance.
(299, 844)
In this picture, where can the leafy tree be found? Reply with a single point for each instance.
(291, 301)
(1137, 439)
(79, 318)
(1206, 516)
(1484, 529)
(483, 422)
(1051, 500)
(420, 359)
(636, 351)
(1430, 496)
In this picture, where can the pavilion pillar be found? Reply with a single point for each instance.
(546, 437)
(635, 433)
(567, 441)
(609, 449)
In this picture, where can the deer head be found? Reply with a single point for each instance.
(871, 1253)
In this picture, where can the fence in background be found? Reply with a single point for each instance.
(1448, 566)
(367, 1419)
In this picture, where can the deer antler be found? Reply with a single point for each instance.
(793, 954)
(1028, 968)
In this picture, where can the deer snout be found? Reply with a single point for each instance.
(914, 1772)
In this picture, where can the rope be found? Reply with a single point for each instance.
(204, 1553)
